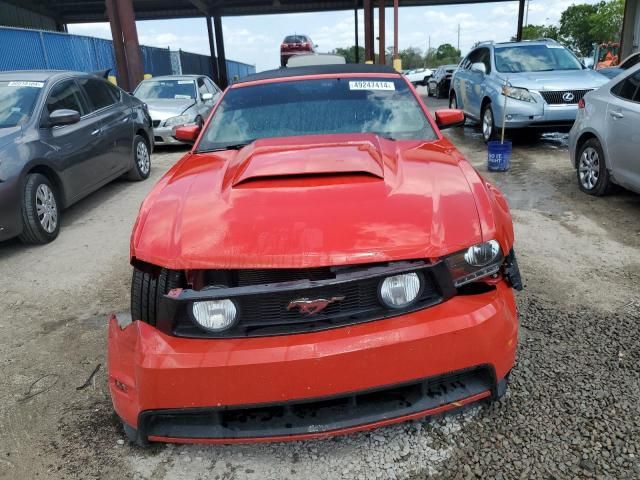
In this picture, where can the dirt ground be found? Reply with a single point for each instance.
(572, 409)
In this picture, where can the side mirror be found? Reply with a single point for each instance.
(63, 117)
(187, 133)
(479, 67)
(447, 118)
(206, 97)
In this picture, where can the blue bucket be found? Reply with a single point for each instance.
(499, 157)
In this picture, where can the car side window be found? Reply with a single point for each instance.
(115, 91)
(473, 57)
(99, 93)
(485, 57)
(630, 62)
(66, 95)
(629, 88)
(211, 86)
(202, 88)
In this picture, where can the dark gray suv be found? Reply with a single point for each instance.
(63, 135)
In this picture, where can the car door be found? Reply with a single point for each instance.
(75, 149)
(462, 83)
(117, 124)
(623, 137)
(476, 84)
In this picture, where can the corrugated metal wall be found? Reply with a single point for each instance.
(24, 49)
(13, 15)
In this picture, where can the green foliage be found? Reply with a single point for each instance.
(583, 25)
(533, 32)
(350, 53)
(411, 58)
(447, 51)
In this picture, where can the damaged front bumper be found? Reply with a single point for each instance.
(166, 388)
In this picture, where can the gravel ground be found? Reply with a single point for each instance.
(572, 409)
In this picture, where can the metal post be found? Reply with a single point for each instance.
(382, 56)
(395, 29)
(368, 32)
(118, 45)
(131, 45)
(520, 20)
(222, 59)
(212, 49)
(355, 13)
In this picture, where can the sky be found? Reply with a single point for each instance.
(256, 39)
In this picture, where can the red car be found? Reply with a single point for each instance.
(295, 45)
(322, 261)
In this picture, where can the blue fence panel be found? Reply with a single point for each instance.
(157, 61)
(21, 50)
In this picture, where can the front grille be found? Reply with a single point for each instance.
(266, 312)
(320, 414)
(556, 97)
(156, 123)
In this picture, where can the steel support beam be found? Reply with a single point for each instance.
(369, 55)
(521, 7)
(222, 58)
(118, 45)
(212, 50)
(382, 47)
(355, 14)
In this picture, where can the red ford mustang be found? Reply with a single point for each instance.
(323, 261)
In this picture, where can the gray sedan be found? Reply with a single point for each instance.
(604, 142)
(177, 100)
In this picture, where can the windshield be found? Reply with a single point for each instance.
(535, 58)
(382, 106)
(166, 89)
(17, 99)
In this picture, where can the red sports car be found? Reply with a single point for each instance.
(322, 261)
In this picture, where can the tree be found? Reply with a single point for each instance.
(350, 53)
(447, 51)
(576, 23)
(411, 58)
(607, 22)
(532, 32)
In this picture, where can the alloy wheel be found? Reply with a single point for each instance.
(46, 208)
(142, 158)
(487, 124)
(589, 168)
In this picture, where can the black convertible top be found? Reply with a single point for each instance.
(318, 70)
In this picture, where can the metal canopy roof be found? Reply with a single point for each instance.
(81, 11)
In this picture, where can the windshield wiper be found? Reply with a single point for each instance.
(233, 146)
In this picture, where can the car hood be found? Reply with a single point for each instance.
(557, 80)
(9, 135)
(166, 108)
(297, 203)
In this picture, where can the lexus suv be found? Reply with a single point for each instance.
(542, 80)
(298, 276)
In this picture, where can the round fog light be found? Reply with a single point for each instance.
(400, 290)
(215, 315)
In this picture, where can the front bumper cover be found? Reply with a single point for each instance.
(159, 384)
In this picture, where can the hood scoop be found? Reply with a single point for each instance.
(292, 163)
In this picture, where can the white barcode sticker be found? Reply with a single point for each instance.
(371, 85)
(27, 84)
(184, 82)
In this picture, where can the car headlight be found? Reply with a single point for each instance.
(179, 120)
(215, 315)
(476, 262)
(521, 94)
(400, 291)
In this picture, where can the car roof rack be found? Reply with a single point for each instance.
(483, 42)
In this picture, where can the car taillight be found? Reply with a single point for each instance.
(581, 103)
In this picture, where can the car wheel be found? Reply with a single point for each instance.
(147, 289)
(593, 176)
(141, 160)
(488, 125)
(453, 101)
(438, 94)
(40, 211)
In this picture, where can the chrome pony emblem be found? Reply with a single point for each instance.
(568, 97)
(311, 307)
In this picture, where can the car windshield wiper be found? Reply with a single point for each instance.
(233, 146)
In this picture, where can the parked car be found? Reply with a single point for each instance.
(176, 100)
(63, 135)
(604, 144)
(440, 82)
(295, 45)
(419, 76)
(545, 83)
(298, 276)
(631, 61)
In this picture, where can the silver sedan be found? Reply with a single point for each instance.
(176, 100)
(604, 142)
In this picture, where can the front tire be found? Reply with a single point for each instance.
(487, 123)
(593, 175)
(141, 160)
(147, 289)
(40, 211)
